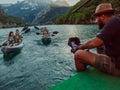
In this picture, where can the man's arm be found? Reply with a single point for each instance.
(92, 43)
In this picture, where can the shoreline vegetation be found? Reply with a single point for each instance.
(82, 16)
(85, 14)
(7, 21)
(10, 21)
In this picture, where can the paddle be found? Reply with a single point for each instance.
(36, 27)
(52, 33)
(21, 32)
(55, 32)
(40, 29)
(37, 33)
(24, 28)
(3, 43)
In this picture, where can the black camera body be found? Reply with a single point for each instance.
(74, 42)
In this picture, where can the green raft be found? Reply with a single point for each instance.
(89, 80)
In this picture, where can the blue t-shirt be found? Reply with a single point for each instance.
(110, 34)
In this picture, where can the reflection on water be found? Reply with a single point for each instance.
(38, 67)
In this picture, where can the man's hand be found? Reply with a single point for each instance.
(81, 47)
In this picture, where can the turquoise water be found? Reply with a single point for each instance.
(38, 67)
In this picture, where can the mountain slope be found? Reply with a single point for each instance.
(27, 9)
(37, 11)
(48, 15)
(9, 21)
(1, 11)
(85, 14)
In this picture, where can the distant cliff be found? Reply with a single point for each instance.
(9, 21)
(32, 8)
(85, 14)
(1, 11)
(26, 9)
(49, 14)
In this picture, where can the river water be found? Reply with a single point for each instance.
(38, 67)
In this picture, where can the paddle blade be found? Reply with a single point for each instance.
(24, 28)
(37, 33)
(36, 27)
(4, 44)
(55, 32)
(52, 35)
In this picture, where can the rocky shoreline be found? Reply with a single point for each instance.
(8, 25)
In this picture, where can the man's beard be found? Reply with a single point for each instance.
(100, 24)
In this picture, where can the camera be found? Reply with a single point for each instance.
(74, 42)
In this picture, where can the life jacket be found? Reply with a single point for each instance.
(18, 37)
(11, 40)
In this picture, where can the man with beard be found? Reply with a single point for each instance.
(109, 24)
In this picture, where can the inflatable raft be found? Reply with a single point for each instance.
(11, 49)
(89, 80)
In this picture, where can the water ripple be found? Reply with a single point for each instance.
(38, 67)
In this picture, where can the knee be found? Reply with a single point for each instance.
(79, 54)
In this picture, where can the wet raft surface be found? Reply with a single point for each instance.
(89, 80)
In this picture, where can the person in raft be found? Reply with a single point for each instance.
(109, 36)
(18, 37)
(45, 33)
(11, 39)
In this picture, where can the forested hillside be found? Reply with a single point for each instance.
(9, 21)
(85, 14)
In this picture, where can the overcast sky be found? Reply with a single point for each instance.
(71, 2)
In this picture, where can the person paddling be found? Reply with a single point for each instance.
(18, 37)
(109, 24)
(45, 33)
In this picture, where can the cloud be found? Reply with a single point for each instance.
(8, 1)
(71, 2)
